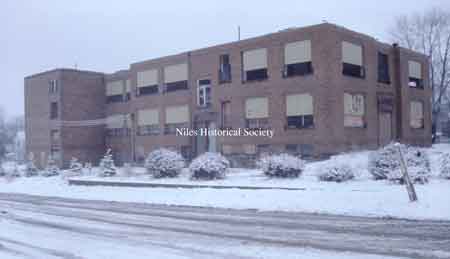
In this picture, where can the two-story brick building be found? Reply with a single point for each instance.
(321, 89)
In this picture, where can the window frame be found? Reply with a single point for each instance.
(353, 70)
(383, 75)
(364, 116)
(411, 117)
(207, 98)
(299, 68)
(54, 110)
(257, 75)
(225, 69)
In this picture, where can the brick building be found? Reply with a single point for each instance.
(322, 89)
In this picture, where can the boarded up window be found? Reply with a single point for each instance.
(351, 53)
(147, 78)
(148, 117)
(177, 114)
(354, 110)
(297, 52)
(249, 149)
(299, 104)
(176, 73)
(256, 107)
(255, 59)
(227, 149)
(114, 88)
(415, 69)
(417, 118)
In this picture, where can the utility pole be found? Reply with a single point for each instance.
(408, 183)
(239, 32)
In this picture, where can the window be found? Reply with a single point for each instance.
(54, 136)
(416, 115)
(383, 68)
(354, 110)
(226, 114)
(263, 149)
(255, 65)
(227, 149)
(176, 77)
(147, 82)
(118, 125)
(177, 117)
(297, 58)
(257, 113)
(54, 110)
(352, 60)
(303, 150)
(415, 74)
(225, 69)
(55, 154)
(127, 90)
(53, 86)
(148, 122)
(204, 93)
(114, 91)
(299, 111)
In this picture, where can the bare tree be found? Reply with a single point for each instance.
(3, 135)
(429, 33)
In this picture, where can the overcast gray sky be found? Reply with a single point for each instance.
(108, 35)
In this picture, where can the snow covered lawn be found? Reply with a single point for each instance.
(360, 197)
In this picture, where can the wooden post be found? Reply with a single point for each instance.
(408, 183)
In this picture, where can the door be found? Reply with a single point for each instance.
(212, 137)
(201, 141)
(385, 128)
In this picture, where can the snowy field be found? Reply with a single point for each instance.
(360, 197)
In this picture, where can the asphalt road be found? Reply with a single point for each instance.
(195, 232)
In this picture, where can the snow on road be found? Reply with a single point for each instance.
(58, 228)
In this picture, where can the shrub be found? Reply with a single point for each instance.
(336, 173)
(2, 170)
(51, 169)
(164, 163)
(445, 166)
(209, 166)
(107, 167)
(75, 166)
(282, 165)
(385, 164)
(31, 169)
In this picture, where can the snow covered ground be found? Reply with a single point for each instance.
(360, 197)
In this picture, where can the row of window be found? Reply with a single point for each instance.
(299, 115)
(303, 150)
(297, 62)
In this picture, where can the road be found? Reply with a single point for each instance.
(50, 227)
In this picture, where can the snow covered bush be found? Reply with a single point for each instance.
(30, 167)
(282, 165)
(336, 173)
(385, 164)
(107, 167)
(444, 166)
(75, 166)
(127, 170)
(51, 169)
(209, 166)
(15, 172)
(164, 163)
(2, 171)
